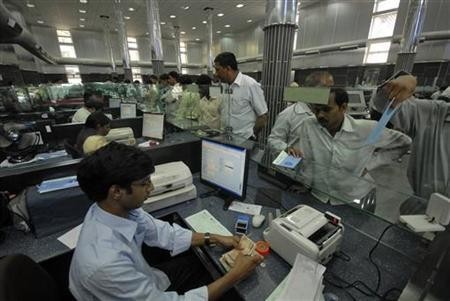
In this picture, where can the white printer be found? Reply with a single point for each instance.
(173, 185)
(122, 135)
(307, 231)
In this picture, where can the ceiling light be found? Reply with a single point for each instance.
(82, 11)
(82, 25)
(83, 1)
(228, 25)
(218, 31)
(197, 39)
(31, 5)
(182, 32)
(240, 5)
(172, 16)
(163, 23)
(186, 7)
(40, 21)
(147, 33)
(194, 28)
(249, 21)
(82, 19)
(130, 9)
(204, 22)
(126, 17)
(220, 15)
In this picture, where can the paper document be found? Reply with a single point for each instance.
(286, 160)
(203, 222)
(57, 184)
(246, 208)
(377, 131)
(70, 238)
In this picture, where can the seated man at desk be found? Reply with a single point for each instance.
(283, 131)
(337, 156)
(108, 263)
(92, 136)
(92, 102)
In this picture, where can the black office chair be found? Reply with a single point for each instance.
(22, 279)
(72, 150)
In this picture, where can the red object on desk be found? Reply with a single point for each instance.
(262, 247)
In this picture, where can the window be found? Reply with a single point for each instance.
(67, 40)
(63, 33)
(136, 74)
(183, 52)
(67, 51)
(384, 5)
(73, 74)
(66, 44)
(133, 49)
(377, 52)
(382, 25)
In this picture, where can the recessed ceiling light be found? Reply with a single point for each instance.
(82, 25)
(82, 11)
(186, 7)
(40, 21)
(31, 5)
(126, 17)
(194, 28)
(83, 1)
(218, 31)
(163, 23)
(147, 33)
(172, 16)
(220, 15)
(197, 39)
(228, 25)
(82, 19)
(249, 21)
(182, 32)
(204, 22)
(130, 9)
(240, 5)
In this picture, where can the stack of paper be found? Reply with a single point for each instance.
(303, 283)
(58, 184)
(246, 247)
(286, 160)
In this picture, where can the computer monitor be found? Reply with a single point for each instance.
(153, 126)
(225, 167)
(356, 99)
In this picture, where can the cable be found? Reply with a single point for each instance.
(342, 255)
(373, 262)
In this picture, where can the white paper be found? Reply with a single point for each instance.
(246, 208)
(203, 221)
(70, 238)
(127, 110)
(114, 102)
(153, 126)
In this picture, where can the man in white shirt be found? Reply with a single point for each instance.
(337, 156)
(108, 264)
(244, 108)
(283, 131)
(92, 102)
(172, 97)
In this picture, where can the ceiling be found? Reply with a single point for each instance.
(64, 14)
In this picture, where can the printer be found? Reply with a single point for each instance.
(172, 185)
(121, 135)
(307, 231)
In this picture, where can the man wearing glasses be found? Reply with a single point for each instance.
(108, 264)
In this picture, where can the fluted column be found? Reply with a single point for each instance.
(107, 38)
(122, 32)
(176, 30)
(154, 28)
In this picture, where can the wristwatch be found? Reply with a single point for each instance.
(207, 238)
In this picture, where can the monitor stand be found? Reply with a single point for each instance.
(220, 194)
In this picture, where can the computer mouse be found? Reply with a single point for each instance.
(258, 220)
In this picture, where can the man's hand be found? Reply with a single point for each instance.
(245, 264)
(400, 88)
(294, 152)
(226, 241)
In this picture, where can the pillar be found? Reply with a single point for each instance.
(154, 29)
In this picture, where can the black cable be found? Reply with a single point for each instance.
(342, 255)
(373, 262)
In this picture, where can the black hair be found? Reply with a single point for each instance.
(164, 76)
(113, 164)
(97, 119)
(315, 79)
(340, 96)
(127, 81)
(136, 82)
(154, 77)
(225, 59)
(185, 80)
(89, 102)
(174, 74)
(203, 82)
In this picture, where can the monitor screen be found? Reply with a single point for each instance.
(356, 98)
(153, 125)
(225, 166)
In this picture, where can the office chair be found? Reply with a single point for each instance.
(22, 279)
(71, 149)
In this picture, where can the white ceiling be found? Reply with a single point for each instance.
(64, 14)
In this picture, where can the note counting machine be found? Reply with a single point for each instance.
(307, 231)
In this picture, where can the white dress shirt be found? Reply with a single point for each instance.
(108, 263)
(336, 166)
(81, 115)
(243, 105)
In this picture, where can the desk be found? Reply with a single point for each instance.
(181, 146)
(398, 255)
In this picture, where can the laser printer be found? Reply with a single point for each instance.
(172, 185)
(123, 135)
(307, 231)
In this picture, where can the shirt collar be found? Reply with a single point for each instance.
(126, 227)
(238, 80)
(347, 124)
